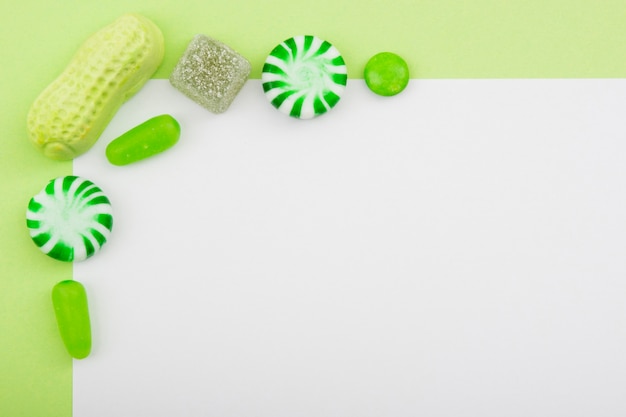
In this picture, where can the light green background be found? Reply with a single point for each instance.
(438, 38)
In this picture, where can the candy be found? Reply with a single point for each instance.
(386, 74)
(210, 73)
(304, 76)
(69, 116)
(145, 140)
(69, 300)
(70, 219)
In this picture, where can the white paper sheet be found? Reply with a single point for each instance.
(456, 250)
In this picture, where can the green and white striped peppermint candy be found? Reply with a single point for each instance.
(70, 219)
(304, 76)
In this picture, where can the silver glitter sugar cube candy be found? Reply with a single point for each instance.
(210, 73)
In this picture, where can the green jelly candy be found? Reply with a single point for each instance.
(210, 73)
(70, 307)
(147, 139)
(386, 74)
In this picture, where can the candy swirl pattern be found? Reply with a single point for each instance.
(70, 219)
(304, 76)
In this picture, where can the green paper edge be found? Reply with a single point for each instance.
(439, 39)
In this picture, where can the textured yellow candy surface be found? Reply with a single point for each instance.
(69, 116)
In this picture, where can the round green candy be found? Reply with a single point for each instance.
(386, 74)
(145, 140)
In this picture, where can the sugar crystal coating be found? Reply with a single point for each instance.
(210, 73)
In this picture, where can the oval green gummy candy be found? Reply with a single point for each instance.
(70, 307)
(149, 138)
